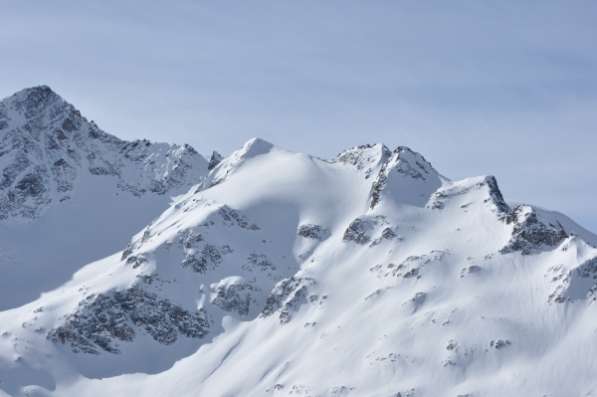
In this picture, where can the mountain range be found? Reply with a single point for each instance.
(132, 267)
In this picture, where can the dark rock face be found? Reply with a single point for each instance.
(291, 306)
(30, 185)
(530, 234)
(102, 321)
(417, 301)
(259, 262)
(232, 217)
(235, 297)
(386, 234)
(378, 185)
(190, 239)
(359, 231)
(496, 195)
(36, 151)
(365, 230)
(288, 296)
(26, 195)
(314, 232)
(208, 258)
(470, 271)
(214, 160)
(135, 260)
(499, 344)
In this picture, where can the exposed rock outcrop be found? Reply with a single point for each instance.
(102, 321)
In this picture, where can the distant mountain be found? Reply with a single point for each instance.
(47, 147)
(70, 193)
(282, 274)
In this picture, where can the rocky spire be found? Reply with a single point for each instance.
(214, 160)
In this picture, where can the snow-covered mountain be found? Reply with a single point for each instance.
(282, 274)
(70, 193)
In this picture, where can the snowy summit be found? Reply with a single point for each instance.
(138, 268)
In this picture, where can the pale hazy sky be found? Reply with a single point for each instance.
(503, 87)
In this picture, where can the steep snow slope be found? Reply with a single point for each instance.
(286, 275)
(71, 193)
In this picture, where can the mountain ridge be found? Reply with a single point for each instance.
(403, 282)
(46, 144)
(64, 182)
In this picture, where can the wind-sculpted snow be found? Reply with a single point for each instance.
(579, 283)
(366, 275)
(222, 168)
(486, 186)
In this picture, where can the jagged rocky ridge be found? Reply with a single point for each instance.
(46, 145)
(372, 263)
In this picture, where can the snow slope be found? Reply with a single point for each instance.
(71, 193)
(282, 274)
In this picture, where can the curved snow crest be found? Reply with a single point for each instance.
(487, 185)
(401, 175)
(254, 147)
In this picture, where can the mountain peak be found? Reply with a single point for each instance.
(408, 154)
(405, 174)
(256, 146)
(32, 100)
(367, 158)
(220, 168)
(47, 146)
(406, 177)
(42, 91)
(42, 88)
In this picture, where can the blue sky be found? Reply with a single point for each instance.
(507, 88)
